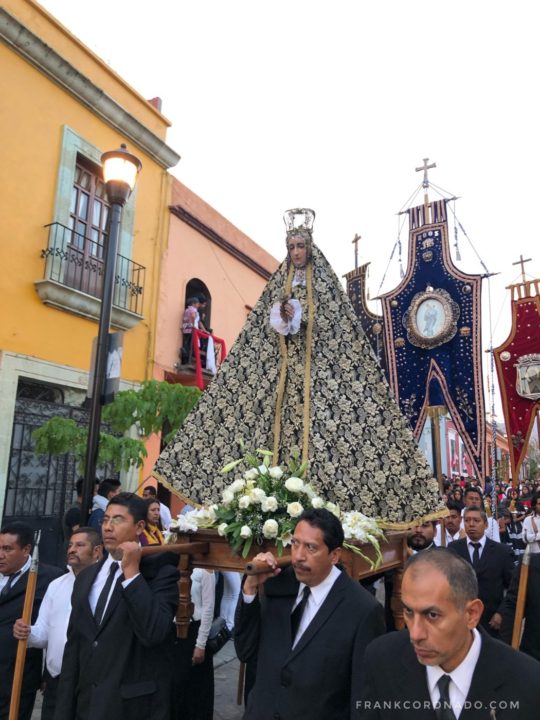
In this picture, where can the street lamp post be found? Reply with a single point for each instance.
(120, 170)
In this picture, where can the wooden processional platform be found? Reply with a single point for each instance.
(206, 549)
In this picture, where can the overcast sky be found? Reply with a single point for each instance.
(332, 105)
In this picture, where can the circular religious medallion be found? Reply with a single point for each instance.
(431, 319)
(505, 356)
(376, 328)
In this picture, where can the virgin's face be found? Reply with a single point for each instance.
(297, 251)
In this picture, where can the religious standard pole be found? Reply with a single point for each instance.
(120, 170)
(355, 243)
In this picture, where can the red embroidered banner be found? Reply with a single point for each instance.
(518, 370)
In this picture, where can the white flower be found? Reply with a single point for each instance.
(251, 474)
(263, 470)
(221, 529)
(270, 529)
(257, 495)
(245, 532)
(185, 523)
(269, 504)
(317, 502)
(275, 472)
(295, 509)
(244, 502)
(333, 508)
(294, 484)
(237, 485)
(227, 497)
(286, 538)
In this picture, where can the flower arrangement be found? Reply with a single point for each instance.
(265, 504)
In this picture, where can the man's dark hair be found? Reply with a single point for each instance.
(150, 489)
(23, 532)
(453, 505)
(470, 490)
(202, 299)
(192, 300)
(105, 486)
(475, 508)
(93, 535)
(79, 484)
(328, 523)
(136, 506)
(459, 573)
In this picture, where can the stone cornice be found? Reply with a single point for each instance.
(213, 236)
(50, 63)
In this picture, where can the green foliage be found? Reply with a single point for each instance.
(153, 407)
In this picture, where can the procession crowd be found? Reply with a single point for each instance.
(315, 643)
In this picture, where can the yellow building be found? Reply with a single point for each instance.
(61, 108)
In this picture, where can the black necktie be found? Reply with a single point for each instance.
(476, 554)
(7, 586)
(296, 615)
(444, 710)
(104, 594)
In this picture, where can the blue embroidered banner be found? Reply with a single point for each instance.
(432, 329)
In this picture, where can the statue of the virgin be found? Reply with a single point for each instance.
(302, 380)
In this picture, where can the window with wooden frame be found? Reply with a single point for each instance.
(88, 217)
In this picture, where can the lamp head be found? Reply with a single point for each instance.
(120, 170)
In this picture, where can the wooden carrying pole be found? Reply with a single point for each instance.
(254, 567)
(521, 597)
(27, 619)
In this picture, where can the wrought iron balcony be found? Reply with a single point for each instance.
(74, 274)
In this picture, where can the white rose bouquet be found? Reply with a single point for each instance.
(264, 503)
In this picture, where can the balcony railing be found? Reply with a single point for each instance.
(76, 262)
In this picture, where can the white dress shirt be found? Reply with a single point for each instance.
(316, 598)
(100, 581)
(164, 516)
(4, 579)
(529, 536)
(470, 548)
(50, 629)
(461, 677)
(203, 595)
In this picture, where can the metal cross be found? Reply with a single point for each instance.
(425, 167)
(522, 262)
(355, 243)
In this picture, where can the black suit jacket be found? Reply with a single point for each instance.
(11, 607)
(321, 676)
(121, 669)
(504, 681)
(494, 574)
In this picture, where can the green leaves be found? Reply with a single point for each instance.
(155, 407)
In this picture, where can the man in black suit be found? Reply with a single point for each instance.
(117, 661)
(493, 563)
(308, 629)
(15, 559)
(441, 666)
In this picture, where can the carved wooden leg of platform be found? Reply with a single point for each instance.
(184, 611)
(395, 602)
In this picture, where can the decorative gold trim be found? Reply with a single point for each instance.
(307, 370)
(282, 377)
(413, 523)
(448, 330)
